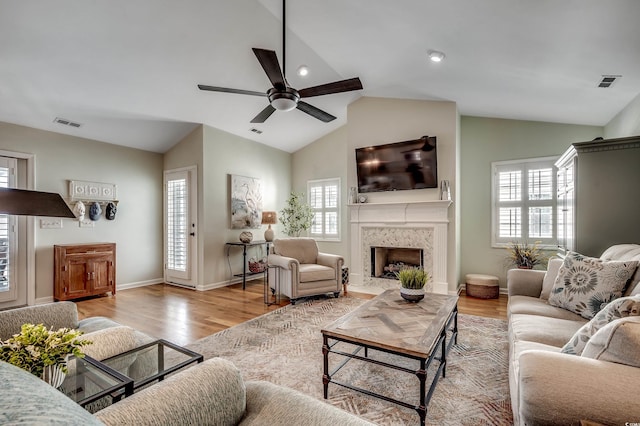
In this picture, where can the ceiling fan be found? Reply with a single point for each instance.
(282, 96)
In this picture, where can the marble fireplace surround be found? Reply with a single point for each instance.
(410, 225)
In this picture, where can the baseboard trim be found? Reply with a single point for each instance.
(137, 284)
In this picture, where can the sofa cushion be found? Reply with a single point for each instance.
(536, 328)
(538, 306)
(550, 277)
(304, 250)
(109, 342)
(314, 272)
(618, 341)
(619, 308)
(585, 284)
(30, 401)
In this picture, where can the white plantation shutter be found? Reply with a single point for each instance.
(177, 224)
(524, 201)
(324, 199)
(8, 283)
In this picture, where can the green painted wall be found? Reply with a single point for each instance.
(484, 140)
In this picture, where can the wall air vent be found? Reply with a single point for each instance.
(608, 80)
(254, 130)
(66, 122)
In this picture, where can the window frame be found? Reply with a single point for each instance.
(324, 183)
(524, 165)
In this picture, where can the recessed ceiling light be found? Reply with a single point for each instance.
(303, 70)
(435, 56)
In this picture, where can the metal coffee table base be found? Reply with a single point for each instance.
(440, 351)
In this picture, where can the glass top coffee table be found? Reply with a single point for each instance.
(89, 380)
(154, 361)
(424, 331)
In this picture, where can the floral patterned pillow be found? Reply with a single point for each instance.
(619, 308)
(584, 285)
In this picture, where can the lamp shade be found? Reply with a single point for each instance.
(33, 203)
(269, 218)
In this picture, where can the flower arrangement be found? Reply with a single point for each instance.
(297, 216)
(412, 278)
(37, 347)
(524, 255)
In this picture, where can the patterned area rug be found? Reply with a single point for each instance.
(285, 347)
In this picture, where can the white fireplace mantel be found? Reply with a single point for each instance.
(421, 224)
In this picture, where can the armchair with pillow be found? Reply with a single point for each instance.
(574, 339)
(303, 270)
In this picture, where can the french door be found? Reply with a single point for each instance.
(12, 280)
(180, 213)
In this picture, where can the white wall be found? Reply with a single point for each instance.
(626, 122)
(137, 229)
(484, 140)
(217, 155)
(323, 159)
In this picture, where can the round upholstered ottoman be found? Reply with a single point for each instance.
(482, 286)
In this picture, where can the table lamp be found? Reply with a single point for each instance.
(269, 218)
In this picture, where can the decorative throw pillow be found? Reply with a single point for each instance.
(584, 285)
(618, 341)
(619, 308)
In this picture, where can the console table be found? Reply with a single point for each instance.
(244, 246)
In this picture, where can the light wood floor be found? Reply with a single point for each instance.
(183, 316)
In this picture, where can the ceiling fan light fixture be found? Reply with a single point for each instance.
(283, 100)
(303, 70)
(435, 56)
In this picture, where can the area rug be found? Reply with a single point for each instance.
(285, 347)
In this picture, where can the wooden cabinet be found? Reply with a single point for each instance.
(598, 203)
(82, 270)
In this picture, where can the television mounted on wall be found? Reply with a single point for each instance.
(398, 166)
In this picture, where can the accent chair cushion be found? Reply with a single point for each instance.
(618, 341)
(314, 272)
(304, 250)
(584, 285)
(619, 308)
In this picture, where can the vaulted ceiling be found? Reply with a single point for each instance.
(127, 71)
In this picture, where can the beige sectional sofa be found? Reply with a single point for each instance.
(550, 387)
(210, 393)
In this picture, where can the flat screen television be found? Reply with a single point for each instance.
(398, 166)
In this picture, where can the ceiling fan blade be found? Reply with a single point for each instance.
(227, 90)
(264, 114)
(335, 87)
(269, 62)
(315, 112)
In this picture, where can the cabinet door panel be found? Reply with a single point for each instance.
(77, 284)
(101, 280)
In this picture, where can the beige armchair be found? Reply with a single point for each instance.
(303, 270)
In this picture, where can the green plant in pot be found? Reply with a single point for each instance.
(297, 216)
(43, 352)
(524, 255)
(412, 282)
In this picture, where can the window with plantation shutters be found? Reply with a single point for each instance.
(524, 201)
(324, 199)
(8, 284)
(177, 226)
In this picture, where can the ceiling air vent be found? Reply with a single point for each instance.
(66, 122)
(254, 130)
(607, 80)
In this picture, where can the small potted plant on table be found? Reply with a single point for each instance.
(43, 352)
(412, 281)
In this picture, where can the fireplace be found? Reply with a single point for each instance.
(386, 261)
(417, 225)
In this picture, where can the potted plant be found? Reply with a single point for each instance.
(523, 255)
(43, 352)
(297, 216)
(412, 281)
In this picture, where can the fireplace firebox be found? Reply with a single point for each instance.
(386, 261)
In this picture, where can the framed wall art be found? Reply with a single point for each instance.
(246, 202)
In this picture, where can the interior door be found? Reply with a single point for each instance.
(13, 290)
(180, 212)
